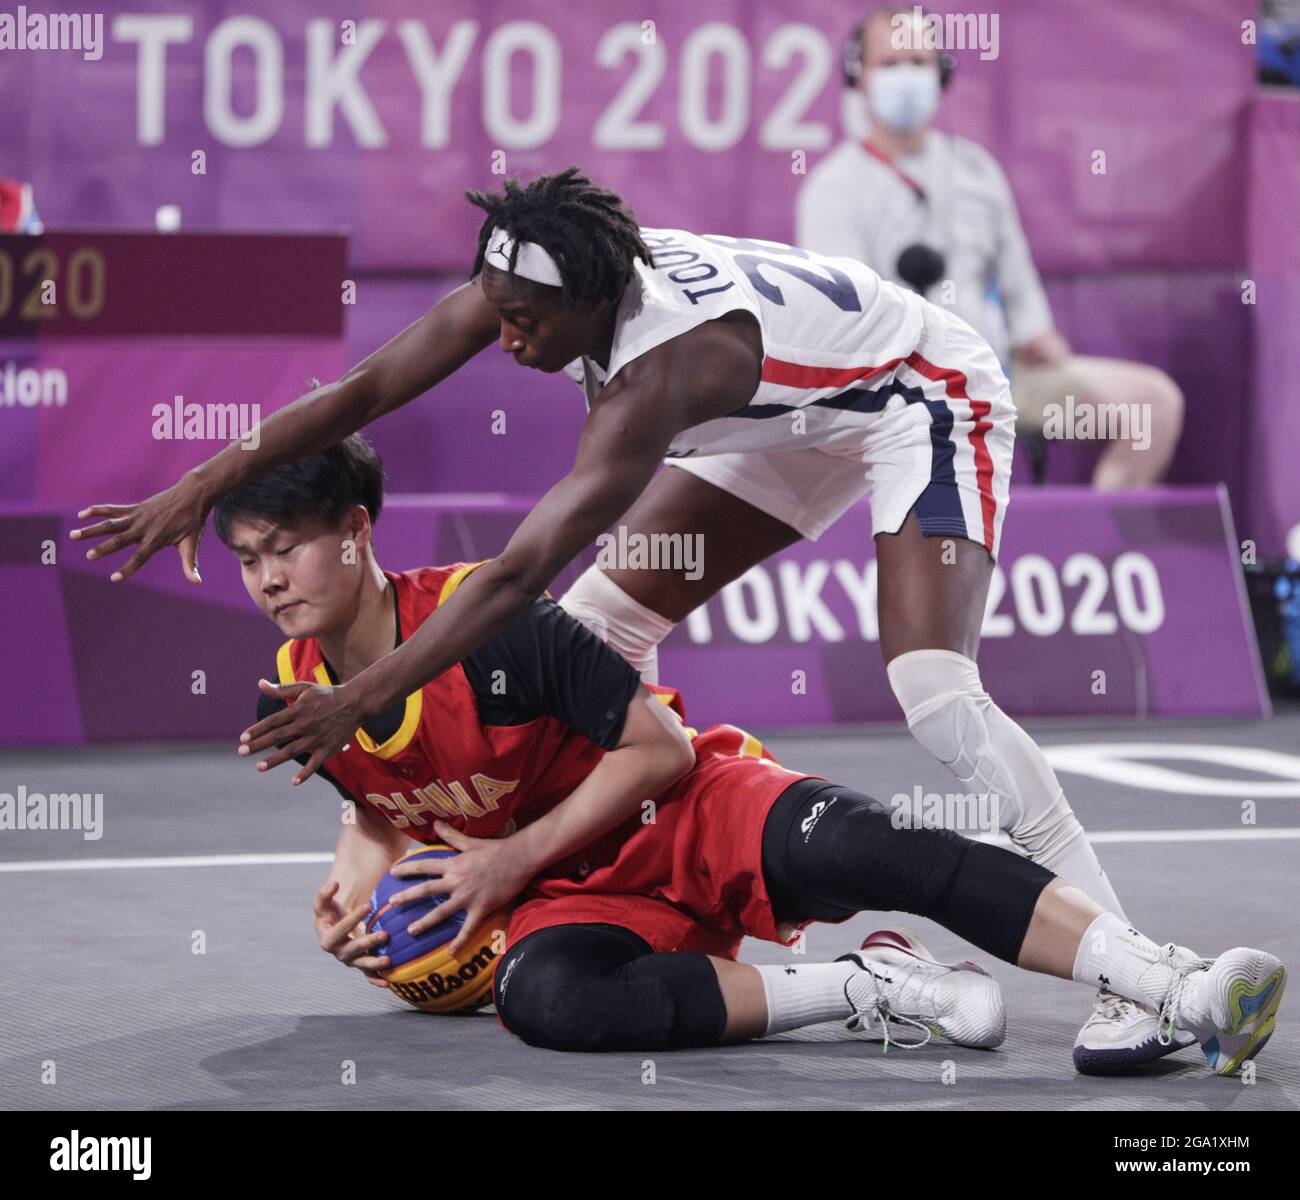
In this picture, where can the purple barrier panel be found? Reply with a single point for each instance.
(1272, 511)
(1138, 610)
(98, 421)
(451, 439)
(39, 689)
(698, 125)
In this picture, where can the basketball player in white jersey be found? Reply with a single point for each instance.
(782, 386)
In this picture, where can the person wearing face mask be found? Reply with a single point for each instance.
(936, 213)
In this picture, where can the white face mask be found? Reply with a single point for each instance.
(903, 97)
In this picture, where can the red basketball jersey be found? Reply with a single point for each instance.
(443, 762)
(685, 873)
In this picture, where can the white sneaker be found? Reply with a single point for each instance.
(902, 983)
(1121, 1035)
(1230, 1004)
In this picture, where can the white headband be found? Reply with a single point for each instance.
(533, 261)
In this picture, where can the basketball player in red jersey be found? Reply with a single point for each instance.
(640, 851)
(782, 386)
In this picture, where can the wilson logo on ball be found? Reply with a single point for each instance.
(422, 971)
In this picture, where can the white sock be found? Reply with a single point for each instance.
(805, 994)
(1115, 956)
(621, 622)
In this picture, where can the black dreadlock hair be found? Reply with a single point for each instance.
(592, 235)
(326, 485)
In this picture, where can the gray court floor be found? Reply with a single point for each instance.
(107, 1005)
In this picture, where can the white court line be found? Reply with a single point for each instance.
(1286, 833)
(1250, 834)
(1194, 835)
(193, 860)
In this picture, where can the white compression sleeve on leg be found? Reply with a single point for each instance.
(952, 716)
(613, 616)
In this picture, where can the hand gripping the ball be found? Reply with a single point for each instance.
(343, 935)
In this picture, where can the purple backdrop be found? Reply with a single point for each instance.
(294, 139)
(1272, 501)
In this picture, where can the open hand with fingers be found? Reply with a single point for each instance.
(343, 935)
(481, 879)
(171, 518)
(318, 721)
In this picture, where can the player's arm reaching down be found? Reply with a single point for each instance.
(426, 352)
(555, 666)
(702, 374)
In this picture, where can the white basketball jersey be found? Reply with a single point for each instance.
(832, 331)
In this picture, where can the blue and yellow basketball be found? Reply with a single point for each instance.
(423, 973)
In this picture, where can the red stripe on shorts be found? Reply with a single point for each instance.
(801, 375)
(955, 385)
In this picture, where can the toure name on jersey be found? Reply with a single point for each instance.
(424, 805)
(684, 265)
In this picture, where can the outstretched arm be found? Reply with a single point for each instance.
(703, 374)
(426, 352)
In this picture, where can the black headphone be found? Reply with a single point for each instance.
(851, 58)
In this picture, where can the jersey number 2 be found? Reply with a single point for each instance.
(838, 289)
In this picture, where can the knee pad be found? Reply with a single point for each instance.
(848, 853)
(621, 622)
(558, 993)
(951, 715)
(829, 851)
(588, 989)
(901, 870)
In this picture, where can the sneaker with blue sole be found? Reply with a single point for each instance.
(1230, 1004)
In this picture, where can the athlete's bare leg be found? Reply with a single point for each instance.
(736, 536)
(932, 593)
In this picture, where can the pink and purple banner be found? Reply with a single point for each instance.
(376, 116)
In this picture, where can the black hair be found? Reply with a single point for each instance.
(589, 231)
(326, 485)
